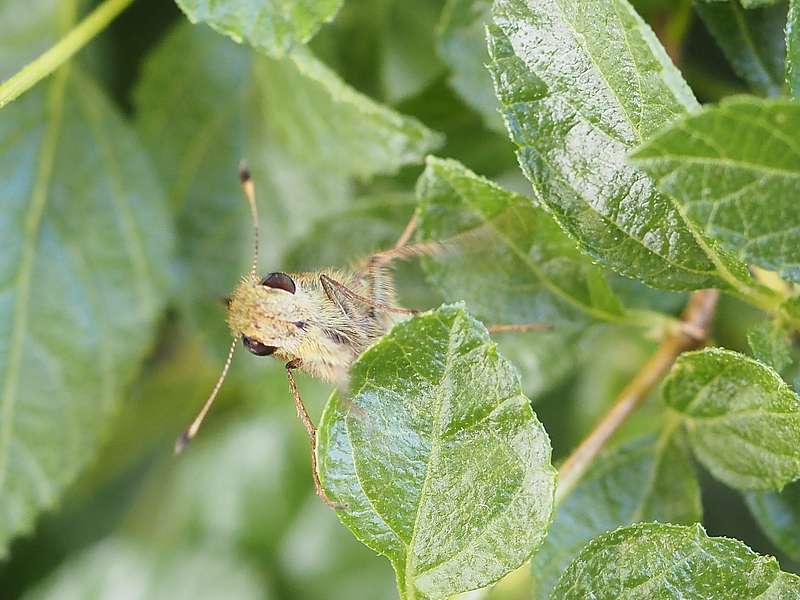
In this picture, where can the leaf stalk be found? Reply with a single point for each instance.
(696, 320)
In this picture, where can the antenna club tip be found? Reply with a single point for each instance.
(244, 172)
(182, 442)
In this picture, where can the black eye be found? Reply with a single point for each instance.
(257, 347)
(279, 281)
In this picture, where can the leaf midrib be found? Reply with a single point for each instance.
(410, 585)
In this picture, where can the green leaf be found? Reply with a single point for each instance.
(378, 217)
(580, 85)
(443, 466)
(526, 269)
(743, 420)
(303, 132)
(778, 514)
(752, 41)
(771, 344)
(117, 565)
(793, 48)
(736, 171)
(274, 26)
(26, 38)
(385, 48)
(408, 40)
(655, 560)
(650, 479)
(753, 4)
(87, 245)
(311, 109)
(462, 46)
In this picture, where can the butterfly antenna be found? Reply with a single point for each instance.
(250, 193)
(187, 436)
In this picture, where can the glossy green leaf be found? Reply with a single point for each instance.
(771, 344)
(462, 45)
(443, 466)
(743, 420)
(655, 560)
(778, 514)
(736, 170)
(302, 130)
(580, 84)
(649, 479)
(87, 243)
(509, 261)
(752, 41)
(274, 26)
(793, 48)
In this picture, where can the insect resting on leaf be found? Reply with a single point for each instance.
(318, 322)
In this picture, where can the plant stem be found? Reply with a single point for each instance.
(696, 320)
(49, 61)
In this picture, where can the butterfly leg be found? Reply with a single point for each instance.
(312, 434)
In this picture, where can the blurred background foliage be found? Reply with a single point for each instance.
(236, 516)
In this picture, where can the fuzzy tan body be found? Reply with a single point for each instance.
(322, 327)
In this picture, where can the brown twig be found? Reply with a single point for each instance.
(696, 324)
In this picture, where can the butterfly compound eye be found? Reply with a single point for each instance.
(279, 281)
(257, 347)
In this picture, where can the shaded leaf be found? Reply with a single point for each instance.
(379, 218)
(86, 248)
(511, 262)
(753, 4)
(579, 85)
(752, 41)
(310, 108)
(462, 45)
(26, 37)
(117, 566)
(443, 466)
(408, 41)
(743, 420)
(655, 560)
(274, 26)
(649, 479)
(736, 171)
(778, 514)
(385, 48)
(793, 48)
(771, 344)
(544, 359)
